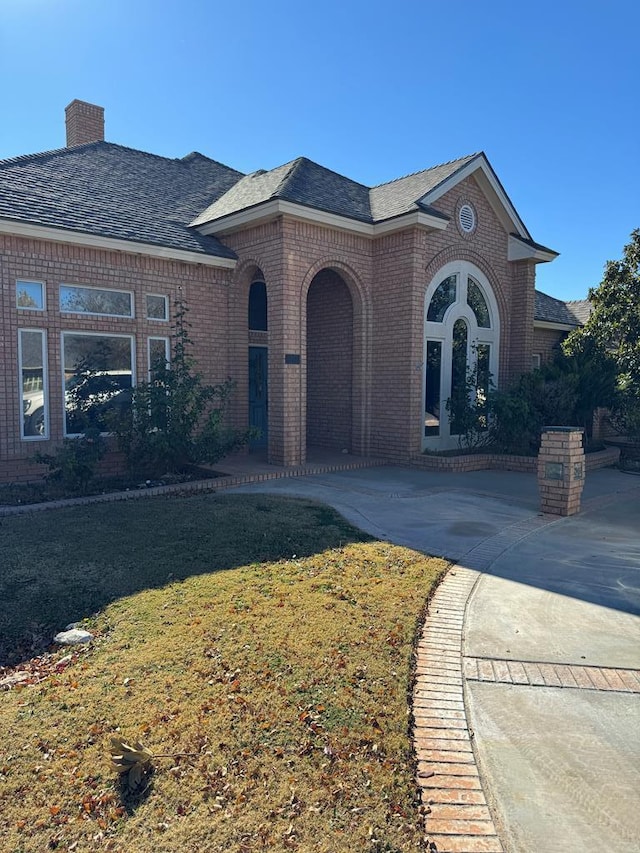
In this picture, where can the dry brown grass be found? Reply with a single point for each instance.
(288, 679)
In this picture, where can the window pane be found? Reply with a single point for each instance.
(484, 381)
(458, 375)
(432, 392)
(91, 300)
(157, 307)
(444, 296)
(158, 356)
(30, 294)
(258, 306)
(478, 304)
(34, 403)
(98, 377)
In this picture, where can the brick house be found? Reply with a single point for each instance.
(345, 313)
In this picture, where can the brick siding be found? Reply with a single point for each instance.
(204, 289)
(546, 342)
(351, 307)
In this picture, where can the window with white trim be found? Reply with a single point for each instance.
(157, 307)
(462, 334)
(75, 299)
(30, 295)
(98, 375)
(32, 359)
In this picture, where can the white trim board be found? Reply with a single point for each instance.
(267, 211)
(94, 241)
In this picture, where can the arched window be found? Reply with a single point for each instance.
(258, 306)
(462, 337)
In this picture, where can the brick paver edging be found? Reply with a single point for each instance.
(551, 674)
(458, 819)
(213, 484)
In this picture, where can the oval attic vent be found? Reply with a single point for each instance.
(467, 218)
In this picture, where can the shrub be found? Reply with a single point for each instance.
(564, 392)
(73, 464)
(176, 420)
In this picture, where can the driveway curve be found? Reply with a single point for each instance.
(533, 651)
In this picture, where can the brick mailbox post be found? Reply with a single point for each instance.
(561, 470)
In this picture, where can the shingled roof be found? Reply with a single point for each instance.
(302, 182)
(116, 192)
(112, 191)
(551, 310)
(403, 194)
(307, 183)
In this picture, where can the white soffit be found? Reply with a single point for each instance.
(278, 207)
(556, 327)
(95, 241)
(519, 251)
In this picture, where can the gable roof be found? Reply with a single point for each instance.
(112, 191)
(548, 309)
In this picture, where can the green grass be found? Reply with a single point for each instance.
(265, 636)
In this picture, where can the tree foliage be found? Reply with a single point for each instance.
(176, 419)
(614, 328)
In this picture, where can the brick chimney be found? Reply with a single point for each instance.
(85, 123)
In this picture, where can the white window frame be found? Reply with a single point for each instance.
(45, 385)
(164, 319)
(536, 360)
(443, 332)
(78, 332)
(130, 294)
(44, 294)
(167, 351)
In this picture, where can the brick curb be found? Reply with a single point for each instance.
(458, 819)
(196, 487)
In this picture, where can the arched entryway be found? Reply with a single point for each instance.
(330, 363)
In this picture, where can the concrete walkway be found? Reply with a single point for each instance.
(527, 699)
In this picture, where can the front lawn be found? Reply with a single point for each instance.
(266, 637)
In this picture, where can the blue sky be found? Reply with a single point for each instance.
(373, 90)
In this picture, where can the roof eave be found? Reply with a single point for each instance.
(272, 209)
(551, 324)
(527, 250)
(98, 241)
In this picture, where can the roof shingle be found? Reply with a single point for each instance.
(113, 191)
(402, 195)
(548, 309)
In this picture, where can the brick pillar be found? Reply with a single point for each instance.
(561, 470)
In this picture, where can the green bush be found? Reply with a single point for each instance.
(73, 464)
(176, 420)
(564, 392)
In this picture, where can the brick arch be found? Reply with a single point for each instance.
(240, 337)
(248, 271)
(359, 294)
(335, 338)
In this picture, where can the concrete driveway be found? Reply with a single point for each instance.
(549, 644)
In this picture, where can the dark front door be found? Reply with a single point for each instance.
(258, 395)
